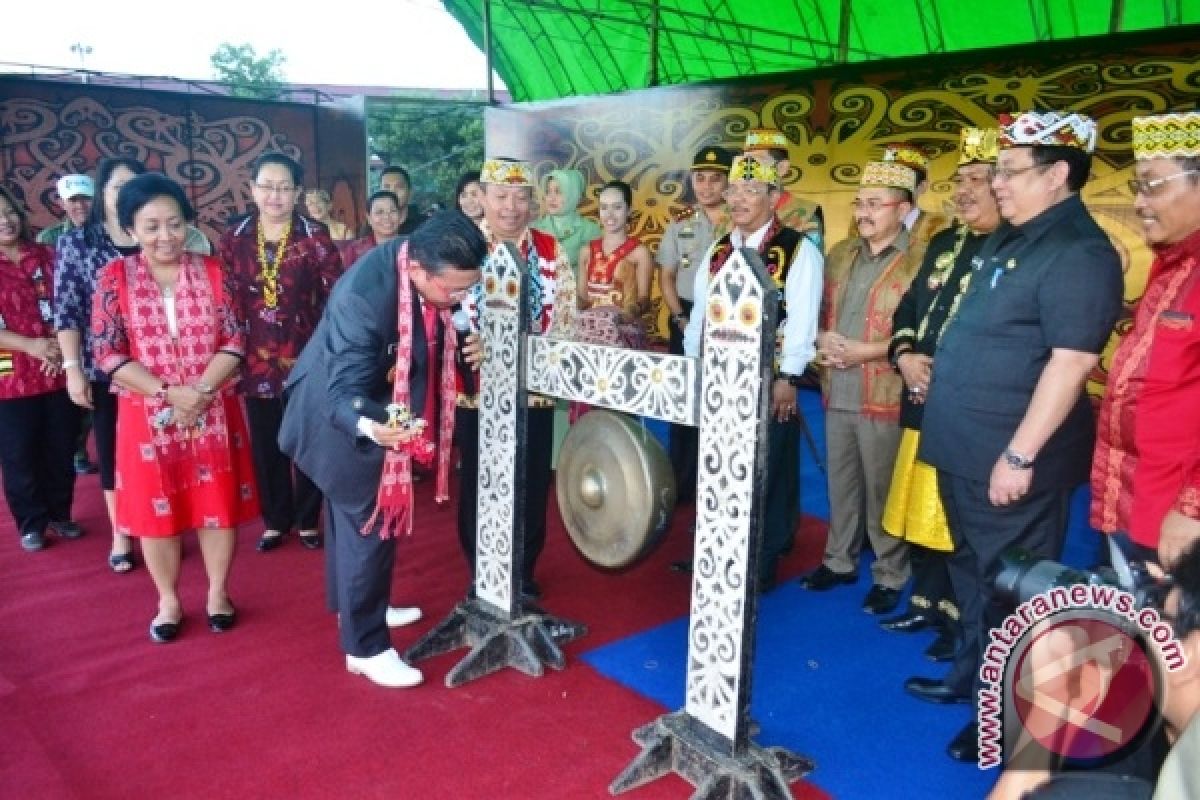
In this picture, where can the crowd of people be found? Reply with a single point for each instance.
(262, 376)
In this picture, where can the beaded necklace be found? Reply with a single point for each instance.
(270, 266)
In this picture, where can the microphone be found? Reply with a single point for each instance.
(461, 321)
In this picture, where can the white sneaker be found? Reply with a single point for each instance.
(399, 617)
(386, 669)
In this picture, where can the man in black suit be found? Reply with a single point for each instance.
(336, 427)
(1007, 422)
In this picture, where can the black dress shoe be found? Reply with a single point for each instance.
(881, 600)
(268, 543)
(943, 647)
(163, 632)
(910, 621)
(934, 691)
(32, 541)
(220, 623)
(824, 579)
(311, 541)
(65, 528)
(85, 467)
(965, 746)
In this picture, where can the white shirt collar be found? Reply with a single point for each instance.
(738, 239)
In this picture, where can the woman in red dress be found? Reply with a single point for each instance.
(38, 421)
(383, 217)
(166, 333)
(617, 270)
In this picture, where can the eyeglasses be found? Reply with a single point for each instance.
(1152, 188)
(268, 188)
(873, 205)
(451, 292)
(973, 180)
(1007, 173)
(749, 191)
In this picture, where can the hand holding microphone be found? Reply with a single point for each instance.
(470, 349)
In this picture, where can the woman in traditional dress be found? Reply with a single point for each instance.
(468, 195)
(562, 190)
(319, 205)
(618, 269)
(167, 334)
(283, 266)
(38, 421)
(80, 255)
(383, 218)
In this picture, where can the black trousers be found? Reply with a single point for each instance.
(932, 591)
(538, 471)
(104, 426)
(289, 499)
(358, 579)
(783, 496)
(37, 456)
(981, 533)
(684, 442)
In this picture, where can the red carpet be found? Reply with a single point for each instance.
(90, 708)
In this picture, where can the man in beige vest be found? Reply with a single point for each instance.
(865, 277)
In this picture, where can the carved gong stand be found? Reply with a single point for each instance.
(708, 741)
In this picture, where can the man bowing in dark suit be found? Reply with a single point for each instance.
(383, 344)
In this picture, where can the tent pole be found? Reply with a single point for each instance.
(652, 76)
(487, 50)
(844, 33)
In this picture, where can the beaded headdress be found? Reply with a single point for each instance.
(907, 154)
(1047, 129)
(889, 174)
(978, 145)
(505, 172)
(1166, 136)
(765, 139)
(749, 168)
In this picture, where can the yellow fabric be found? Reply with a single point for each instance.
(914, 509)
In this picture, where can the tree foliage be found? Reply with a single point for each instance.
(247, 74)
(435, 140)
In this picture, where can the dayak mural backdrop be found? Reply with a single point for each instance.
(838, 119)
(208, 143)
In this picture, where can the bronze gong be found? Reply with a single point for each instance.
(616, 488)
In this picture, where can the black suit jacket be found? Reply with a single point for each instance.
(348, 360)
(1053, 282)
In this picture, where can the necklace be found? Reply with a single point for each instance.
(269, 274)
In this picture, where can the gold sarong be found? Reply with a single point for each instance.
(914, 510)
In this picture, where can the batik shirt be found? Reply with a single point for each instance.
(275, 336)
(1147, 459)
(26, 308)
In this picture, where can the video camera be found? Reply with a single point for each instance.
(1024, 575)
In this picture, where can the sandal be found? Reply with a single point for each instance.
(121, 563)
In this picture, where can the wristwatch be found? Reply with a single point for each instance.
(895, 358)
(795, 380)
(1016, 460)
(204, 388)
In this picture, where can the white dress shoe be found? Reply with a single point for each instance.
(399, 617)
(386, 669)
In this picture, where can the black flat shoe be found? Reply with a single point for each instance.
(32, 541)
(932, 690)
(268, 543)
(311, 541)
(881, 600)
(910, 621)
(65, 528)
(221, 623)
(121, 563)
(824, 579)
(965, 746)
(163, 632)
(943, 647)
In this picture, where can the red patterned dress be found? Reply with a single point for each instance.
(169, 478)
(26, 307)
(611, 317)
(1147, 459)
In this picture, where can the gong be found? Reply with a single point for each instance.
(616, 488)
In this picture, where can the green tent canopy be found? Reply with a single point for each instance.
(546, 49)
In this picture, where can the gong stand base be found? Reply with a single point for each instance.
(526, 642)
(677, 743)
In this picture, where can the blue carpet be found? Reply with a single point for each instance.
(828, 682)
